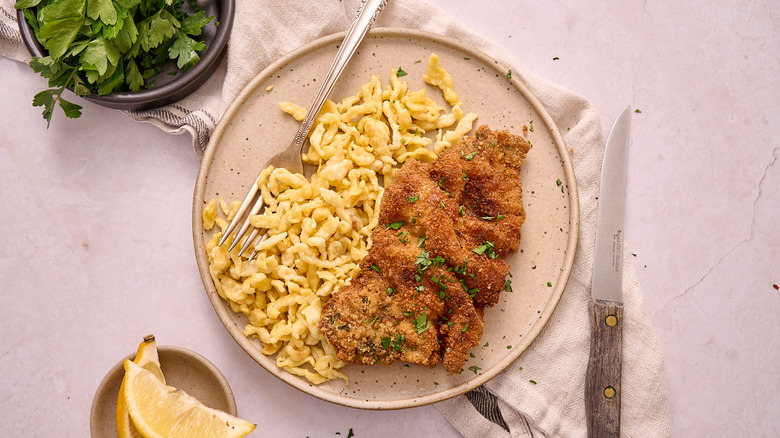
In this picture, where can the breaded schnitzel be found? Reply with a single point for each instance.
(436, 259)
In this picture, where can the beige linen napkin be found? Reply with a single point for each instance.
(542, 394)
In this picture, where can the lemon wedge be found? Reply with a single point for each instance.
(159, 410)
(146, 357)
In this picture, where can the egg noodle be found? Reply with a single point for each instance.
(320, 229)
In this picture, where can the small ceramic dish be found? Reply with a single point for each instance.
(183, 369)
(170, 88)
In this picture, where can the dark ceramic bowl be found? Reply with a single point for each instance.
(169, 88)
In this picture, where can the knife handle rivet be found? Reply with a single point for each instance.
(609, 392)
(611, 320)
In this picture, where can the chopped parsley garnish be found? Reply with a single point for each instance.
(398, 344)
(412, 199)
(441, 183)
(475, 368)
(423, 261)
(400, 73)
(465, 328)
(508, 286)
(486, 248)
(549, 284)
(395, 225)
(421, 241)
(374, 267)
(442, 287)
(461, 210)
(471, 292)
(421, 324)
(390, 290)
(509, 74)
(470, 156)
(487, 218)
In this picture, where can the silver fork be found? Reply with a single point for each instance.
(290, 158)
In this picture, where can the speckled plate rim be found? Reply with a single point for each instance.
(446, 393)
(114, 376)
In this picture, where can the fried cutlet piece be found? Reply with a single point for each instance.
(483, 174)
(401, 306)
(436, 259)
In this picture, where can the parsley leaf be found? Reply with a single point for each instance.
(486, 248)
(421, 323)
(395, 225)
(133, 77)
(186, 50)
(98, 55)
(156, 29)
(194, 24)
(102, 10)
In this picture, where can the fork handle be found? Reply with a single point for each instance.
(366, 14)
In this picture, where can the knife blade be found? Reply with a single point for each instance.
(602, 381)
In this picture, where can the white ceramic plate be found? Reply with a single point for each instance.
(254, 128)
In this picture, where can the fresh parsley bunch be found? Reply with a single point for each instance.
(101, 46)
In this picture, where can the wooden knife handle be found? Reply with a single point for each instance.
(602, 382)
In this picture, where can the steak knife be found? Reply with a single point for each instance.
(602, 381)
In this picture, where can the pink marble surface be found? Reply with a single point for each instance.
(98, 209)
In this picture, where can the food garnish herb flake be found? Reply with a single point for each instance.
(395, 225)
(421, 323)
(486, 248)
